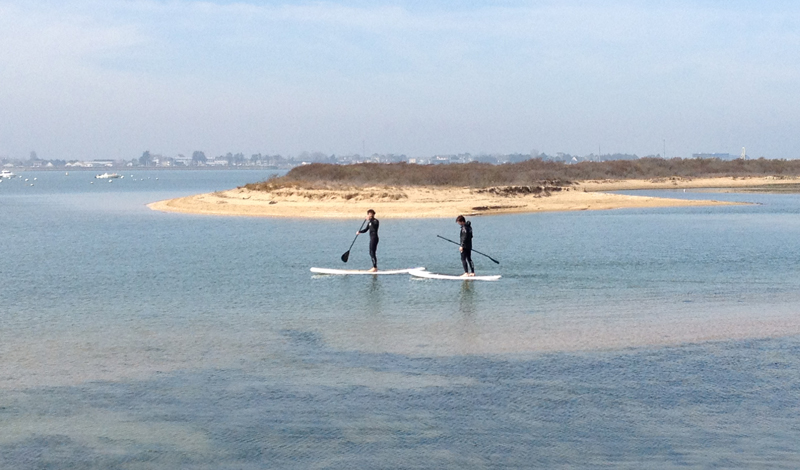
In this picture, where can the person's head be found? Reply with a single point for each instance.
(460, 220)
(371, 214)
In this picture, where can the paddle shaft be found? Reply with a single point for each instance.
(346, 254)
(476, 251)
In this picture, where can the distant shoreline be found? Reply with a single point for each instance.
(447, 202)
(141, 168)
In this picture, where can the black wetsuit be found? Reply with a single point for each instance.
(466, 247)
(372, 227)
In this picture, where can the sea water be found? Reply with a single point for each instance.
(638, 338)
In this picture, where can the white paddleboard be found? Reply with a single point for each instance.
(359, 271)
(428, 275)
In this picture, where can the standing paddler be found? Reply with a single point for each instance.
(465, 247)
(372, 228)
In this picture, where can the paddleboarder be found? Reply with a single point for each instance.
(466, 246)
(372, 228)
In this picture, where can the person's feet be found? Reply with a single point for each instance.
(471, 274)
(373, 270)
(465, 275)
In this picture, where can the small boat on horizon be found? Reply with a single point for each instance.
(6, 174)
(106, 176)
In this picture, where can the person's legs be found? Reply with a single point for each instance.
(464, 258)
(469, 260)
(373, 252)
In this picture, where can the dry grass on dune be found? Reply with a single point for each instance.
(531, 173)
(475, 175)
(317, 190)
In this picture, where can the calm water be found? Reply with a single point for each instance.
(632, 338)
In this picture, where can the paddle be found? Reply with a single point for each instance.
(476, 251)
(346, 254)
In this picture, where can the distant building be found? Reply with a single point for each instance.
(721, 156)
(182, 160)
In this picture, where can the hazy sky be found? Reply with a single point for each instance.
(112, 78)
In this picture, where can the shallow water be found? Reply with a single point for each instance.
(138, 339)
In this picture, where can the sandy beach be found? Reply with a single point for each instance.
(430, 201)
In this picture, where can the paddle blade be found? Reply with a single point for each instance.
(346, 256)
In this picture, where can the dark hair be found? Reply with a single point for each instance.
(460, 218)
(371, 212)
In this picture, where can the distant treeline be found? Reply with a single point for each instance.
(528, 172)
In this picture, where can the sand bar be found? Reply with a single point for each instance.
(430, 201)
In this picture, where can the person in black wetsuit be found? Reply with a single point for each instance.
(372, 228)
(466, 246)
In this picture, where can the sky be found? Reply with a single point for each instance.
(110, 79)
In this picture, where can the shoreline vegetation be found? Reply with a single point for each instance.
(418, 191)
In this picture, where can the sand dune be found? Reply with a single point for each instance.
(421, 202)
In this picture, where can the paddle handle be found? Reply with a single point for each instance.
(346, 254)
(476, 251)
(356, 237)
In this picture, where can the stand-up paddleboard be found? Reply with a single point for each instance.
(359, 271)
(428, 275)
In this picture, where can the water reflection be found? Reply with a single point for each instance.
(374, 296)
(375, 326)
(467, 331)
(467, 299)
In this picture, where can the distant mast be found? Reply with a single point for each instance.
(744, 154)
